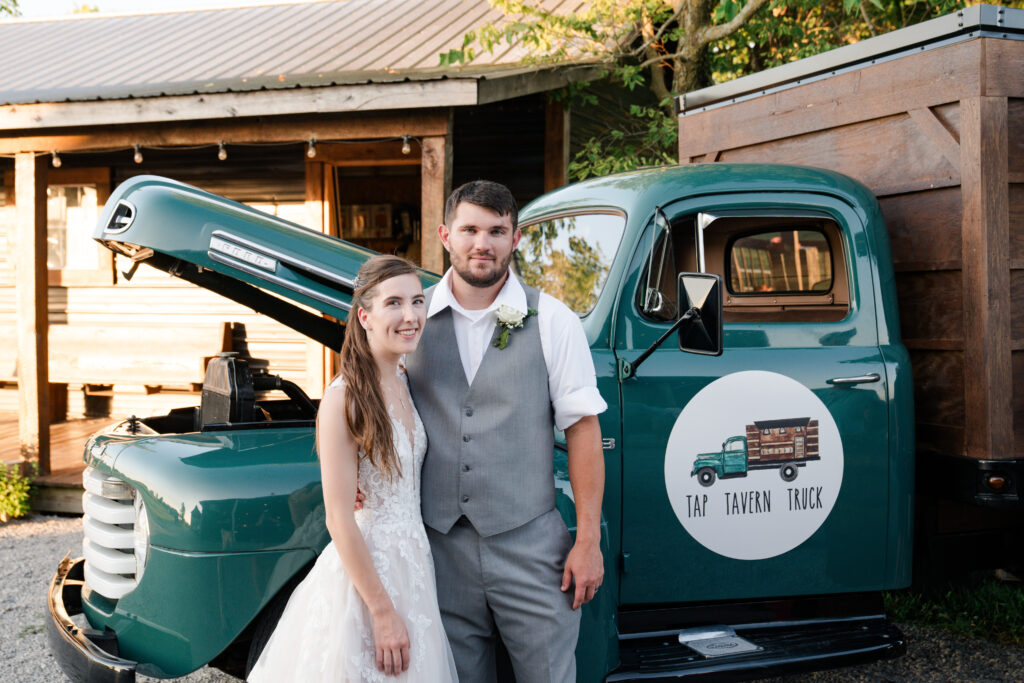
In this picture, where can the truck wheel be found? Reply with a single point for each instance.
(706, 476)
(788, 472)
(265, 628)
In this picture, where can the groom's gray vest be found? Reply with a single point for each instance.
(489, 452)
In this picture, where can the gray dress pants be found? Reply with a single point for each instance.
(507, 585)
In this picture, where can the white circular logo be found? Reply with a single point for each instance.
(754, 464)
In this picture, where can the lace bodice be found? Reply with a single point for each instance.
(397, 501)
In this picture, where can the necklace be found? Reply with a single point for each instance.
(397, 393)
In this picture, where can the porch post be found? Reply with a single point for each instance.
(436, 184)
(318, 357)
(556, 146)
(32, 308)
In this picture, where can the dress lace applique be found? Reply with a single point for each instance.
(325, 632)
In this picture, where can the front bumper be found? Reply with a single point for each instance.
(83, 654)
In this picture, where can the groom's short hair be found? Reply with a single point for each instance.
(485, 193)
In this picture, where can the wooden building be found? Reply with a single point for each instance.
(931, 119)
(336, 115)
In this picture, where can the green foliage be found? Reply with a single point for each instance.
(648, 138)
(675, 46)
(10, 7)
(786, 30)
(988, 610)
(15, 490)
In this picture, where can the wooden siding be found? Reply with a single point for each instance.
(938, 136)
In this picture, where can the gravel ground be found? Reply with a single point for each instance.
(31, 548)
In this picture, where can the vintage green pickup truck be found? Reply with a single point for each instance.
(200, 522)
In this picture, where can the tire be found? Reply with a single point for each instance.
(706, 476)
(788, 472)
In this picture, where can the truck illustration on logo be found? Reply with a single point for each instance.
(784, 445)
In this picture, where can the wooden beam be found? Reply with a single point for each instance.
(556, 145)
(387, 153)
(318, 205)
(326, 127)
(940, 136)
(926, 79)
(32, 321)
(315, 171)
(534, 80)
(400, 95)
(988, 373)
(1004, 64)
(436, 184)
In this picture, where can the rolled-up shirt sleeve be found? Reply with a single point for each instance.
(572, 382)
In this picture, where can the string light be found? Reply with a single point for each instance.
(56, 159)
(138, 154)
(406, 147)
(222, 152)
(311, 149)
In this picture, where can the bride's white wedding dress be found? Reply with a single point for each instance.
(325, 632)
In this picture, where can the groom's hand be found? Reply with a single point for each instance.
(585, 567)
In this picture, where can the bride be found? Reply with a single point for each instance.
(368, 608)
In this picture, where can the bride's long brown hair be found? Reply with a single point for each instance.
(365, 410)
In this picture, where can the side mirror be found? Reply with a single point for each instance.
(701, 292)
(700, 326)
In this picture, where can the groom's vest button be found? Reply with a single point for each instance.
(465, 437)
(465, 468)
(465, 499)
(469, 412)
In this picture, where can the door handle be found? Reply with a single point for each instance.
(859, 379)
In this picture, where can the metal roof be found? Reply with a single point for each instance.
(987, 21)
(261, 47)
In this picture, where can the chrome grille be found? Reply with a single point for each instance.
(108, 526)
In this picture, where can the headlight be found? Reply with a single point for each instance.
(141, 534)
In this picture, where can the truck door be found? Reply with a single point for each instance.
(801, 371)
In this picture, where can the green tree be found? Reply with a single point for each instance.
(10, 7)
(669, 47)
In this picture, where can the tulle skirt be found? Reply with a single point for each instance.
(325, 632)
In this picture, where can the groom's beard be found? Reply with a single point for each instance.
(482, 280)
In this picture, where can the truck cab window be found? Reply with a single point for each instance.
(775, 268)
(568, 257)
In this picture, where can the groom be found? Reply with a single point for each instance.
(502, 553)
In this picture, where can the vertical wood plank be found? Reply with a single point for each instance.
(436, 183)
(556, 145)
(31, 293)
(317, 365)
(315, 194)
(988, 374)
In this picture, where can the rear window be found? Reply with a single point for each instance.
(780, 262)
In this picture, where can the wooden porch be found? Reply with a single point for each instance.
(61, 489)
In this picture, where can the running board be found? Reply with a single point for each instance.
(752, 651)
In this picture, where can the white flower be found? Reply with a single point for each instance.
(510, 317)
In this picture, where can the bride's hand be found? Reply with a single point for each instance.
(391, 640)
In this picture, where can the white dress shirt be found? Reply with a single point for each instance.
(572, 382)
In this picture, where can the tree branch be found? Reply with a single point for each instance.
(713, 33)
(867, 19)
(653, 59)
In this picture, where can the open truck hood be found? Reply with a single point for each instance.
(283, 270)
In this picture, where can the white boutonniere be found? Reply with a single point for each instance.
(508, 319)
